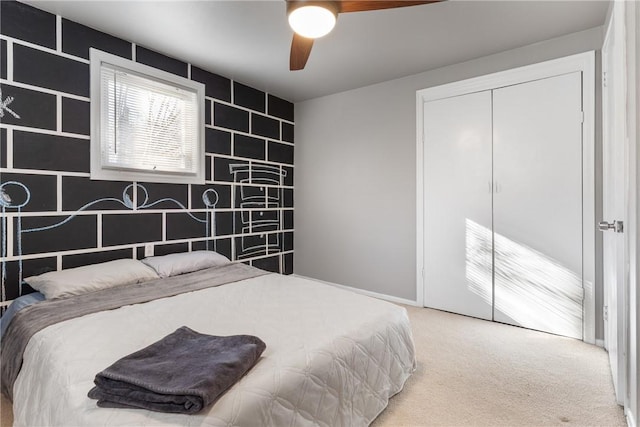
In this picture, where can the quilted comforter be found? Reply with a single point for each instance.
(333, 357)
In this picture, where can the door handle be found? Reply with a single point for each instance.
(616, 226)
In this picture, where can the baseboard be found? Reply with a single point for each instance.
(600, 343)
(385, 297)
(631, 422)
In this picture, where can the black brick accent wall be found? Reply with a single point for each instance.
(45, 161)
(157, 60)
(248, 97)
(247, 146)
(216, 86)
(50, 71)
(182, 226)
(42, 197)
(27, 23)
(281, 153)
(3, 59)
(77, 234)
(3, 148)
(76, 116)
(122, 229)
(278, 107)
(230, 117)
(81, 192)
(217, 141)
(78, 39)
(78, 260)
(50, 152)
(36, 109)
(265, 126)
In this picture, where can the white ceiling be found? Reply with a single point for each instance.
(249, 41)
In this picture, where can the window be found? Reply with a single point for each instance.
(146, 124)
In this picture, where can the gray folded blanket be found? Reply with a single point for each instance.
(182, 373)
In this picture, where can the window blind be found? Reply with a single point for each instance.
(147, 125)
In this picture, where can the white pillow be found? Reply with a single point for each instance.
(185, 262)
(89, 278)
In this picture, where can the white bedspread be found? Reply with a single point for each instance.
(333, 357)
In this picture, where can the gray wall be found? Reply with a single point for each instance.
(355, 217)
(633, 50)
(634, 254)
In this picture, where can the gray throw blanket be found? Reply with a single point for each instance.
(182, 373)
(36, 317)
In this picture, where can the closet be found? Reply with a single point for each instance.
(504, 200)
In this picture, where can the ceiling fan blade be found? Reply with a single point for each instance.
(364, 5)
(300, 50)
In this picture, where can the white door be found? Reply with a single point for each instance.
(537, 157)
(457, 209)
(613, 199)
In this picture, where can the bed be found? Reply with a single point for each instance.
(332, 358)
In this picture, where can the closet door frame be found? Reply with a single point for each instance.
(582, 62)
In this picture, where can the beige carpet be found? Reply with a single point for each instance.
(476, 373)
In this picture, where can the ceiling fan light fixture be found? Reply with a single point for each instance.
(312, 21)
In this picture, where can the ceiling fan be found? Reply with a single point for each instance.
(312, 19)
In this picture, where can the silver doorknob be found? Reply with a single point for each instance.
(616, 226)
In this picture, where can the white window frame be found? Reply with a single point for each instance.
(98, 172)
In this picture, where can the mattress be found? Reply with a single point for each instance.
(333, 357)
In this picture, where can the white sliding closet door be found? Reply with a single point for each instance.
(538, 204)
(457, 220)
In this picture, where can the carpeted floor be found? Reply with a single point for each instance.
(476, 373)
